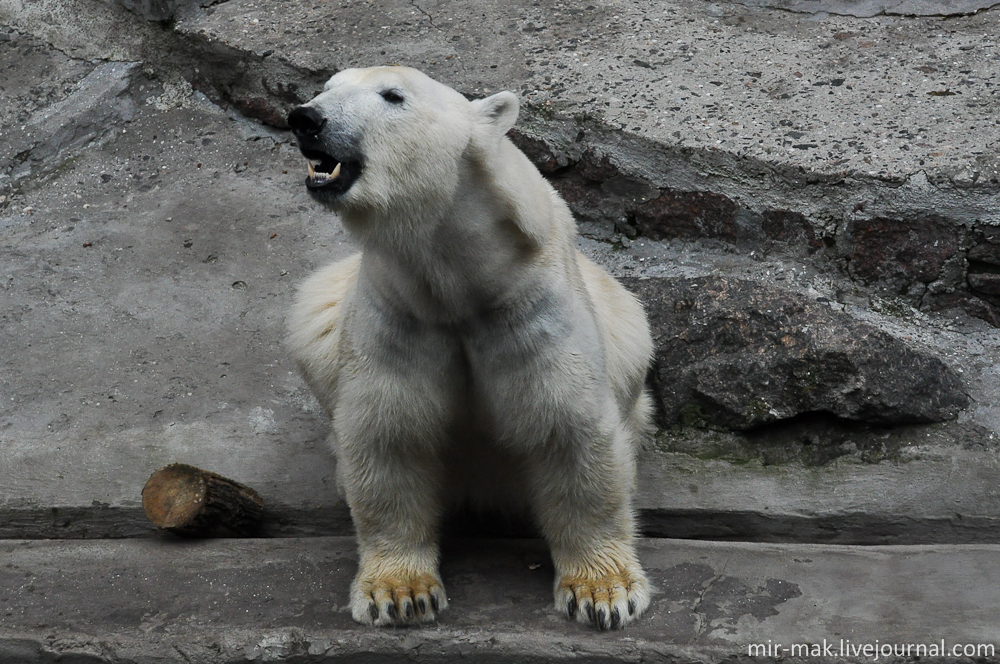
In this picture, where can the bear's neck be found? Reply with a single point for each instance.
(471, 254)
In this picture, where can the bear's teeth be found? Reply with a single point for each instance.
(318, 176)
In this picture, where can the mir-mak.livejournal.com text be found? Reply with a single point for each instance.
(874, 651)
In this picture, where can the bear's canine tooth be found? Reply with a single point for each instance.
(336, 172)
(312, 171)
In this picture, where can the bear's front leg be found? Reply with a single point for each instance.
(582, 496)
(394, 500)
(390, 427)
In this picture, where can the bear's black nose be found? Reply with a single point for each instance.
(306, 120)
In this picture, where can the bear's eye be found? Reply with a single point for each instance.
(392, 96)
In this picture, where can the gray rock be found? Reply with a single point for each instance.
(98, 104)
(737, 355)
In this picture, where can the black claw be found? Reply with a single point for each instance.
(571, 607)
(616, 618)
(631, 607)
(590, 612)
(373, 612)
(391, 611)
(422, 605)
(602, 619)
(434, 603)
(408, 610)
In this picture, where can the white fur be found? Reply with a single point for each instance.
(470, 353)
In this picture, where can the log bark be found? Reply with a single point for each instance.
(192, 502)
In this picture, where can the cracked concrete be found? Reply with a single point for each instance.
(702, 624)
(430, 18)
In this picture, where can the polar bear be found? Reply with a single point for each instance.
(469, 355)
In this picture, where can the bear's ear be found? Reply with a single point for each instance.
(499, 111)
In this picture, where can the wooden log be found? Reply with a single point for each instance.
(193, 502)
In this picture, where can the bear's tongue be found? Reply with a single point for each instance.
(320, 178)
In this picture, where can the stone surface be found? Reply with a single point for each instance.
(985, 283)
(688, 145)
(898, 253)
(973, 304)
(985, 253)
(738, 355)
(819, 479)
(36, 75)
(802, 481)
(283, 600)
(697, 214)
(688, 215)
(97, 104)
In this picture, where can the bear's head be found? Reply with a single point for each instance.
(391, 140)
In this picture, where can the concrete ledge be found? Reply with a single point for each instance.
(213, 601)
(933, 493)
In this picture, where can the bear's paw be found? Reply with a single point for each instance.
(607, 599)
(397, 599)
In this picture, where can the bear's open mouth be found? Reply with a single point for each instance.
(328, 174)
